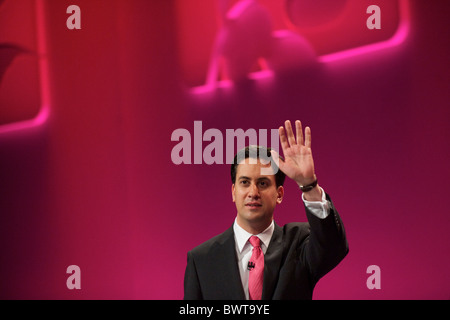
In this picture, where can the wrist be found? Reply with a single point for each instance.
(314, 194)
(307, 185)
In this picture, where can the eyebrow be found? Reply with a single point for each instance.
(247, 178)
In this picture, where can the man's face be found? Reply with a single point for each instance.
(255, 194)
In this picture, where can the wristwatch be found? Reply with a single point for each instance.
(309, 187)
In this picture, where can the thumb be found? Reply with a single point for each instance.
(276, 158)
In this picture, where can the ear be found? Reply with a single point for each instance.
(232, 192)
(280, 191)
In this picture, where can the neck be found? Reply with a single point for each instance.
(253, 227)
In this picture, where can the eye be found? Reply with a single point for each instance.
(263, 184)
(243, 182)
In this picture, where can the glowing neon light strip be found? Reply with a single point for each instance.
(398, 38)
(44, 111)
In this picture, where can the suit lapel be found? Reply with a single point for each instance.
(225, 258)
(272, 260)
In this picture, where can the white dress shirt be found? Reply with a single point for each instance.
(244, 249)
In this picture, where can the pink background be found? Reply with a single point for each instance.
(95, 186)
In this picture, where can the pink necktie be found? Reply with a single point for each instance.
(256, 270)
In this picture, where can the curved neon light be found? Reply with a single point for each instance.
(44, 111)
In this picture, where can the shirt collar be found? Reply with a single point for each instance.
(242, 236)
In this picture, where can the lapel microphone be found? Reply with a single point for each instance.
(250, 265)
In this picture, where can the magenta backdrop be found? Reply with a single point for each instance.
(95, 186)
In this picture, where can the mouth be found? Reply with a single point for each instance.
(253, 205)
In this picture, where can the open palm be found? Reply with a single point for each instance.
(298, 162)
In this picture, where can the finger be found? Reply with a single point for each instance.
(283, 140)
(299, 132)
(308, 137)
(290, 133)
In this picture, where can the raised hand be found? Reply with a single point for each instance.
(298, 161)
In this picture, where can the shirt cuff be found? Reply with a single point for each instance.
(320, 209)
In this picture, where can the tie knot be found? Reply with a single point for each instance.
(255, 241)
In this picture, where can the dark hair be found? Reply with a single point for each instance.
(257, 152)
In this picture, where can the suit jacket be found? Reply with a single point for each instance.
(299, 254)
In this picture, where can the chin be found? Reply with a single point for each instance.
(255, 215)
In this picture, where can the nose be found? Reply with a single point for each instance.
(253, 191)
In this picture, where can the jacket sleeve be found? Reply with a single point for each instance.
(327, 244)
(192, 289)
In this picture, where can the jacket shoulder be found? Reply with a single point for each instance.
(207, 246)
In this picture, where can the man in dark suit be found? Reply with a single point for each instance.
(256, 258)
